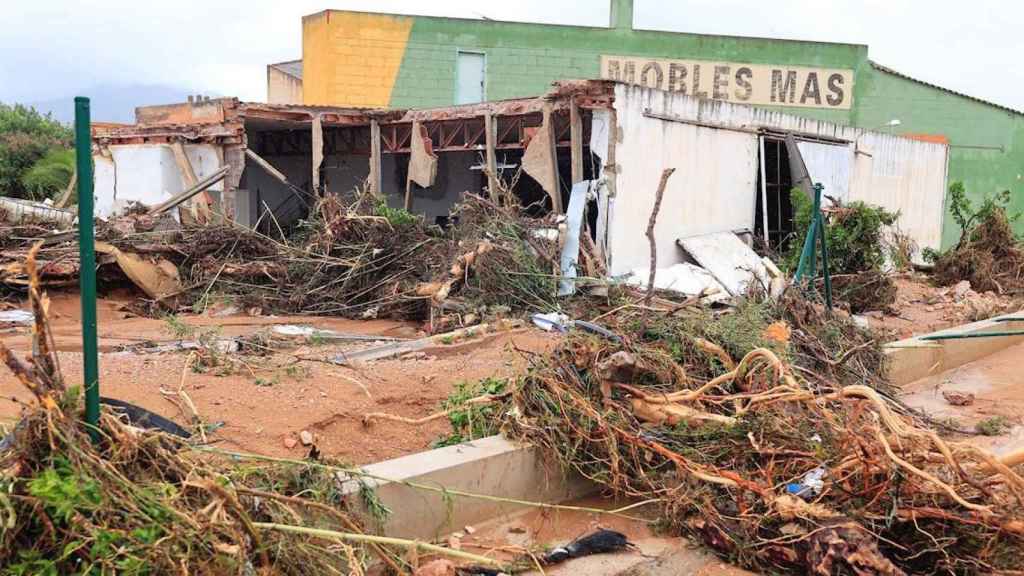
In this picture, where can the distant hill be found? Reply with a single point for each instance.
(113, 103)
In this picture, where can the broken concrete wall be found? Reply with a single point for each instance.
(148, 174)
(263, 189)
(713, 146)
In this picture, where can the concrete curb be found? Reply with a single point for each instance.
(914, 358)
(492, 466)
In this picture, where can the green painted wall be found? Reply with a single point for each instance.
(922, 109)
(524, 59)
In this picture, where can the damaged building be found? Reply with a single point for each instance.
(272, 162)
(405, 61)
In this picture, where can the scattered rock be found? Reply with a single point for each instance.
(306, 437)
(861, 322)
(955, 398)
(454, 543)
(470, 530)
(436, 568)
(289, 442)
(961, 289)
(876, 314)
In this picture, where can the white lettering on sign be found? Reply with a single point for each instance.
(758, 84)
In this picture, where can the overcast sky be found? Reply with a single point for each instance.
(53, 48)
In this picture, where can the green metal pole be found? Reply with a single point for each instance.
(974, 335)
(824, 246)
(87, 259)
(807, 250)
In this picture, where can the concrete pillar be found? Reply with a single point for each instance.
(622, 15)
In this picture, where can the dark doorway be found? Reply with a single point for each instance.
(780, 208)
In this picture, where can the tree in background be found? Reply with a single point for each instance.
(36, 160)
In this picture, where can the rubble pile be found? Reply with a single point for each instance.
(770, 445)
(989, 256)
(362, 260)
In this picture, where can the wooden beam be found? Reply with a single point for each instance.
(491, 135)
(317, 142)
(556, 194)
(267, 166)
(576, 141)
(198, 207)
(192, 191)
(375, 167)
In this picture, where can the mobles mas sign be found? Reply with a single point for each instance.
(742, 83)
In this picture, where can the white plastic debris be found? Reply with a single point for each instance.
(16, 316)
(552, 321)
(810, 485)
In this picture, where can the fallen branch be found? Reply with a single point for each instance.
(650, 233)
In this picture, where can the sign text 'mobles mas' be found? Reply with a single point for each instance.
(736, 82)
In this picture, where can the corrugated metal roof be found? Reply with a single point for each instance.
(292, 68)
(888, 70)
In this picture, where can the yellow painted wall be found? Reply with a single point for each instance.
(352, 59)
(283, 88)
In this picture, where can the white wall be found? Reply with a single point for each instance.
(714, 185)
(712, 189)
(148, 174)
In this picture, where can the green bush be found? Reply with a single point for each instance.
(855, 235)
(50, 175)
(26, 137)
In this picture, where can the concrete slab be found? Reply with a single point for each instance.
(491, 466)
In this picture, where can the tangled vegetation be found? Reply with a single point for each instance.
(862, 244)
(988, 254)
(783, 452)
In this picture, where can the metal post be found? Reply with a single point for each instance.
(87, 259)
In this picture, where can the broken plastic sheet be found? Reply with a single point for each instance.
(684, 278)
(574, 225)
(423, 161)
(734, 264)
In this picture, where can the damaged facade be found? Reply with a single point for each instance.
(400, 61)
(617, 137)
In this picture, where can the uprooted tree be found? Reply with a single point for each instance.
(988, 254)
(782, 450)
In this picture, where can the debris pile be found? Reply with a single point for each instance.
(859, 247)
(989, 256)
(363, 260)
(134, 501)
(778, 449)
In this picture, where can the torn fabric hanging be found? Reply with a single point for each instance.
(539, 161)
(422, 161)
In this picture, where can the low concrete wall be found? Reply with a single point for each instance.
(491, 466)
(916, 358)
(495, 466)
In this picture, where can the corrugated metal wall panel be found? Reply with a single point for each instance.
(904, 176)
(831, 165)
(714, 188)
(711, 191)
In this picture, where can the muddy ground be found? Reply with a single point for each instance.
(921, 307)
(992, 389)
(265, 401)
